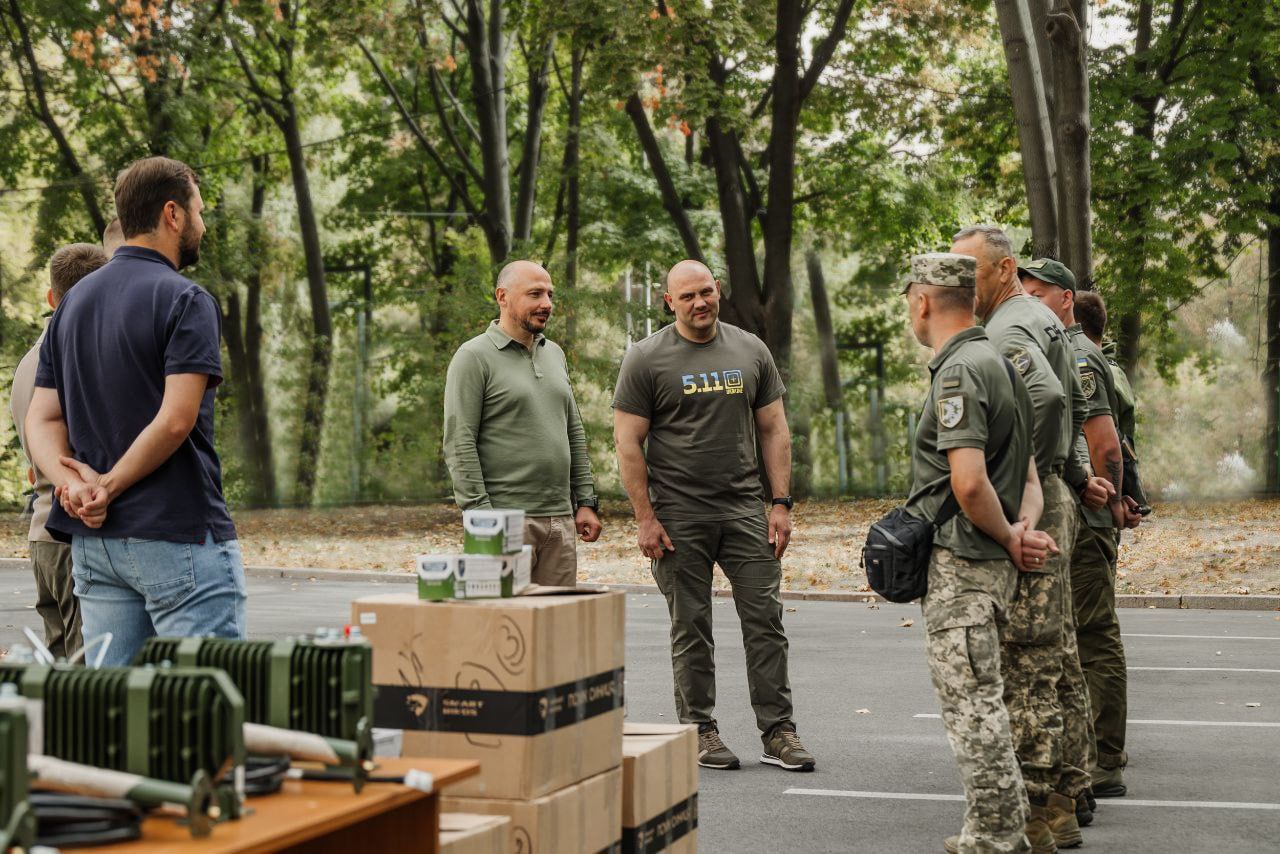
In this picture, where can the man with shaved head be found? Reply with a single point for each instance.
(690, 402)
(513, 436)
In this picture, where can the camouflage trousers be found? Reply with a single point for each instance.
(963, 609)
(1093, 579)
(1032, 652)
(1073, 690)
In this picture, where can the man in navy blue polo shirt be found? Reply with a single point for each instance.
(122, 423)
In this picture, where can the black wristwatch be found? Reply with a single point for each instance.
(786, 501)
(593, 503)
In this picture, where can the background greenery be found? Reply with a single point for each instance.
(427, 141)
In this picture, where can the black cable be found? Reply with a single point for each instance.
(264, 775)
(345, 775)
(77, 821)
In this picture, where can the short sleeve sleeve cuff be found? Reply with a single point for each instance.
(195, 332)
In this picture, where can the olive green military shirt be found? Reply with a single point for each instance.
(1100, 393)
(1126, 401)
(701, 400)
(513, 436)
(970, 404)
(1018, 329)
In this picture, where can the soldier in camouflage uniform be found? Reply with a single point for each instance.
(974, 417)
(1093, 560)
(1044, 683)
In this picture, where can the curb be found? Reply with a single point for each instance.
(1198, 601)
(1206, 601)
(304, 574)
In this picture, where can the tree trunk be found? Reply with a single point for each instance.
(1035, 131)
(832, 390)
(1071, 82)
(573, 210)
(779, 296)
(321, 326)
(487, 56)
(242, 332)
(1271, 373)
(42, 112)
(666, 185)
(741, 305)
(1039, 11)
(538, 86)
(260, 454)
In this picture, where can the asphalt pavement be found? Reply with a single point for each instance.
(1203, 760)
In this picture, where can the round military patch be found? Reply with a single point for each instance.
(1089, 382)
(950, 411)
(1021, 360)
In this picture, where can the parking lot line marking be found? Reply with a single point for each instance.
(1119, 802)
(1201, 637)
(1212, 669)
(1154, 722)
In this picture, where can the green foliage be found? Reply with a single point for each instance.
(910, 135)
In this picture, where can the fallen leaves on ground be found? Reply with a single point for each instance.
(1202, 547)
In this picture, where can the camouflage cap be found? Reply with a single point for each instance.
(1050, 271)
(943, 269)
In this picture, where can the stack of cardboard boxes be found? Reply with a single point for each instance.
(531, 686)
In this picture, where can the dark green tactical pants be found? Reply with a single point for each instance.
(55, 602)
(741, 547)
(1093, 585)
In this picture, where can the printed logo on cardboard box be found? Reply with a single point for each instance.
(473, 710)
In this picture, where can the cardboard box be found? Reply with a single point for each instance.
(659, 788)
(585, 818)
(467, 833)
(529, 686)
(492, 532)
(454, 576)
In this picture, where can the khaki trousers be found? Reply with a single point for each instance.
(555, 551)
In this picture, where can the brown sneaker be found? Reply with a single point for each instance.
(1038, 832)
(1062, 821)
(712, 752)
(951, 845)
(782, 747)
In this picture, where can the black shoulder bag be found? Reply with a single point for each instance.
(898, 547)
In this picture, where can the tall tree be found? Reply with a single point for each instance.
(1142, 176)
(733, 85)
(268, 43)
(35, 91)
(1065, 26)
(475, 152)
(1025, 54)
(242, 329)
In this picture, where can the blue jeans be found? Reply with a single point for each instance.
(136, 589)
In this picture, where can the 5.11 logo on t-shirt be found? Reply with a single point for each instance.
(710, 382)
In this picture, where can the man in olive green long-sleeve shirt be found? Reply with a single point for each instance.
(513, 436)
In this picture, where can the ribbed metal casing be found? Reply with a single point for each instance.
(13, 772)
(167, 723)
(320, 687)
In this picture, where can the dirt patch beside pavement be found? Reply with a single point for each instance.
(1205, 547)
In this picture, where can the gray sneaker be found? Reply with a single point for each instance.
(711, 750)
(782, 747)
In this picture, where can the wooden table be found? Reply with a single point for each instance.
(321, 816)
